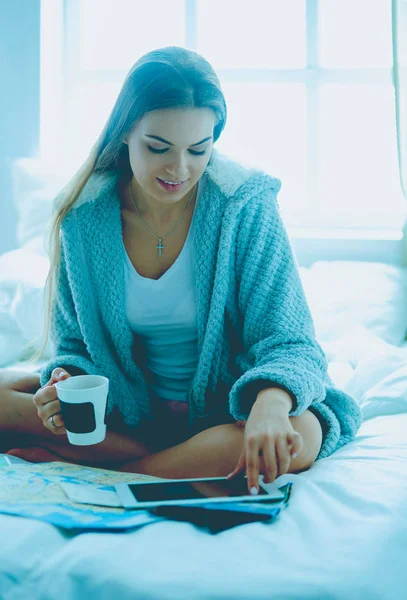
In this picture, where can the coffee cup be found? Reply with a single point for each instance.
(83, 400)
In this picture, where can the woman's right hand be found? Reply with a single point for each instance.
(47, 403)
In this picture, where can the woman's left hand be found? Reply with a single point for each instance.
(269, 443)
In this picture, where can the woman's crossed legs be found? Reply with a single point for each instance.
(212, 452)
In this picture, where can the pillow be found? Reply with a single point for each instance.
(11, 339)
(21, 265)
(35, 184)
(373, 370)
(355, 345)
(385, 379)
(343, 293)
(28, 312)
(22, 279)
(348, 353)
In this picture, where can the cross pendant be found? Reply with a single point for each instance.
(160, 248)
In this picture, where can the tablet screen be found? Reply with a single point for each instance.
(184, 490)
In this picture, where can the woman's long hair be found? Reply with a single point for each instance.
(171, 77)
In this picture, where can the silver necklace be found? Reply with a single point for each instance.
(160, 245)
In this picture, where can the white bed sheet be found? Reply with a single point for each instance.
(343, 536)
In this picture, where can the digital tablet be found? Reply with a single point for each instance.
(191, 492)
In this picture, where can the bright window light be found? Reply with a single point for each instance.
(308, 85)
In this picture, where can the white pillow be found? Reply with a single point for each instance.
(22, 279)
(389, 395)
(35, 185)
(356, 344)
(373, 370)
(22, 265)
(343, 293)
(28, 312)
(11, 339)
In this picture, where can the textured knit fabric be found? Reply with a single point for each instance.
(164, 316)
(253, 319)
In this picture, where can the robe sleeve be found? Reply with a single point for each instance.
(280, 349)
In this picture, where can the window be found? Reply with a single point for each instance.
(308, 85)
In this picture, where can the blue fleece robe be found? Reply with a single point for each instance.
(255, 329)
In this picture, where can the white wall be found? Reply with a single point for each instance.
(19, 99)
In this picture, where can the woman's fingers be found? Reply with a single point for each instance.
(240, 465)
(52, 409)
(57, 375)
(283, 455)
(295, 443)
(44, 396)
(48, 392)
(48, 405)
(268, 453)
(252, 464)
(49, 410)
(56, 424)
(270, 462)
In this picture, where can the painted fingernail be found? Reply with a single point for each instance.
(61, 373)
(254, 491)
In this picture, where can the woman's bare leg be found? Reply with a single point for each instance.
(20, 425)
(215, 452)
(19, 421)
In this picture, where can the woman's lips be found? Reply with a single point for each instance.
(170, 188)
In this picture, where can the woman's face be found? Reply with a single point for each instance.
(180, 155)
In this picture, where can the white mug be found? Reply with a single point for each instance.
(83, 400)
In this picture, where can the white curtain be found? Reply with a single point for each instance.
(399, 33)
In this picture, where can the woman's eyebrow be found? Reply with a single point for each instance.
(160, 139)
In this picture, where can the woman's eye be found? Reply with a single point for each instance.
(198, 153)
(156, 151)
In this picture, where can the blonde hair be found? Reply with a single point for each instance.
(171, 77)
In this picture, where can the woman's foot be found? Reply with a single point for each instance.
(36, 454)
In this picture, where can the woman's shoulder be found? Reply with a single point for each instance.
(98, 187)
(94, 203)
(237, 180)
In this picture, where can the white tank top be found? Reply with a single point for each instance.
(163, 314)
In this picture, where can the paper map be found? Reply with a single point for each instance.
(33, 490)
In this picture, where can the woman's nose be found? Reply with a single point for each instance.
(178, 169)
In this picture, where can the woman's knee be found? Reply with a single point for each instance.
(309, 427)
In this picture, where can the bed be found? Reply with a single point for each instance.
(343, 537)
(344, 533)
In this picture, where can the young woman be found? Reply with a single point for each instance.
(172, 275)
